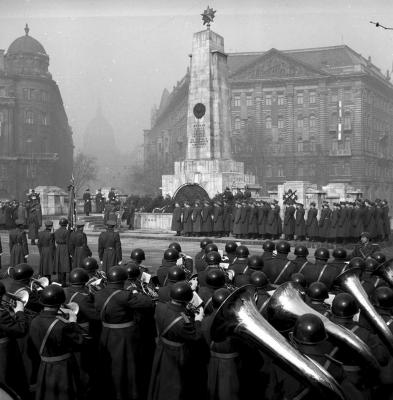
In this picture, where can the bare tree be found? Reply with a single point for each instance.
(85, 170)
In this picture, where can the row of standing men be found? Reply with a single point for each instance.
(341, 222)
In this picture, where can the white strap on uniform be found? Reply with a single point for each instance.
(302, 267)
(282, 271)
(321, 273)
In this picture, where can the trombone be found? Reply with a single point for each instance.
(22, 296)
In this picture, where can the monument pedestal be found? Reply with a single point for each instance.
(213, 175)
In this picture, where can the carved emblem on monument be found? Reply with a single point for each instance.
(199, 110)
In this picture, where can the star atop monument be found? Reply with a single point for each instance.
(208, 16)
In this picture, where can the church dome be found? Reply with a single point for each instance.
(26, 45)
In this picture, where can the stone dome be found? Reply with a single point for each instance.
(26, 45)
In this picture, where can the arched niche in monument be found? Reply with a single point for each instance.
(190, 192)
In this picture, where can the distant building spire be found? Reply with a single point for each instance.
(27, 30)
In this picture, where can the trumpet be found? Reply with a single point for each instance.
(149, 290)
(68, 310)
(22, 296)
(39, 284)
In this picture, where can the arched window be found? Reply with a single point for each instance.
(280, 123)
(268, 122)
(347, 144)
(237, 123)
(269, 171)
(29, 117)
(280, 170)
(300, 122)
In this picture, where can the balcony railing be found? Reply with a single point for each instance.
(340, 152)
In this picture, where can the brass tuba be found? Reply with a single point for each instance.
(385, 271)
(239, 315)
(349, 280)
(287, 304)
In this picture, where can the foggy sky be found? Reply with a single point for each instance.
(122, 54)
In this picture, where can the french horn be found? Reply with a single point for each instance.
(238, 315)
(349, 280)
(287, 304)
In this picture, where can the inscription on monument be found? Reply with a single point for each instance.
(198, 139)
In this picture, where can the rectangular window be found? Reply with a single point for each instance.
(312, 122)
(25, 94)
(44, 119)
(268, 100)
(236, 101)
(347, 95)
(299, 123)
(268, 123)
(280, 100)
(312, 97)
(299, 147)
(249, 100)
(299, 98)
(31, 94)
(29, 117)
(280, 123)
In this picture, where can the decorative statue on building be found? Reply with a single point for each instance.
(208, 16)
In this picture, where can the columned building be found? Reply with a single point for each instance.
(36, 146)
(322, 115)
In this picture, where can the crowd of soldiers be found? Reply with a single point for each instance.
(111, 329)
(246, 218)
(28, 214)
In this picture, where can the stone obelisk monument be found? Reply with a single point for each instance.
(208, 161)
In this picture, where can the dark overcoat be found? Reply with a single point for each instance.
(218, 219)
(34, 220)
(289, 220)
(47, 249)
(312, 223)
(273, 221)
(109, 249)
(324, 222)
(187, 220)
(62, 255)
(79, 249)
(207, 222)
(300, 223)
(237, 214)
(197, 219)
(177, 224)
(357, 223)
(253, 221)
(18, 246)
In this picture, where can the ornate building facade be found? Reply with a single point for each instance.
(36, 146)
(322, 115)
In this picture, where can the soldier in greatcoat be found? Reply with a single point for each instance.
(177, 222)
(20, 212)
(78, 247)
(244, 218)
(273, 221)
(379, 221)
(218, 219)
(87, 202)
(324, 222)
(120, 337)
(312, 223)
(237, 220)
(100, 202)
(34, 219)
(300, 223)
(342, 224)
(253, 221)
(187, 219)
(262, 219)
(289, 222)
(207, 221)
(196, 217)
(19, 250)
(109, 247)
(332, 234)
(369, 219)
(227, 217)
(357, 221)
(47, 249)
(62, 254)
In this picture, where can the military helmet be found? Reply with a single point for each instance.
(2, 289)
(357, 262)
(283, 247)
(383, 297)
(22, 272)
(63, 221)
(210, 247)
(133, 271)
(301, 251)
(369, 265)
(230, 247)
(78, 276)
(181, 292)
(52, 296)
(299, 278)
(268, 245)
(339, 253)
(215, 277)
(259, 279)
(309, 329)
(219, 296)
(255, 262)
(176, 274)
(321, 254)
(117, 274)
(175, 245)
(379, 256)
(317, 291)
(204, 242)
(344, 305)
(213, 258)
(90, 264)
(138, 255)
(171, 255)
(242, 251)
